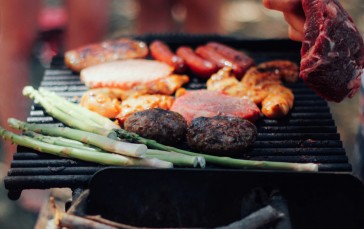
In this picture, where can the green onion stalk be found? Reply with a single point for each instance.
(222, 161)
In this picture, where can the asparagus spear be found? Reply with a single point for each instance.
(78, 110)
(61, 141)
(175, 158)
(224, 161)
(105, 143)
(69, 120)
(68, 152)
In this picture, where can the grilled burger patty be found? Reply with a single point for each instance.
(164, 126)
(221, 135)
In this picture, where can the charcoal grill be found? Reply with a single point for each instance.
(307, 134)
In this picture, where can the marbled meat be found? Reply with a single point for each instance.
(332, 50)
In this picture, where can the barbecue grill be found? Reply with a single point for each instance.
(307, 134)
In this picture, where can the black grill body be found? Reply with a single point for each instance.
(307, 134)
(212, 198)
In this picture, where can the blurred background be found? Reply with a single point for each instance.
(239, 18)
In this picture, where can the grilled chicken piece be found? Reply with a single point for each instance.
(278, 102)
(143, 102)
(165, 86)
(107, 51)
(105, 101)
(225, 81)
(262, 84)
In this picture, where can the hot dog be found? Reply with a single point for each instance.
(195, 63)
(221, 61)
(160, 51)
(234, 56)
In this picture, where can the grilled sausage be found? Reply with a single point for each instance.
(211, 55)
(196, 64)
(160, 51)
(164, 126)
(221, 135)
(236, 57)
(287, 70)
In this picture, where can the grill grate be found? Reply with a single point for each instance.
(308, 134)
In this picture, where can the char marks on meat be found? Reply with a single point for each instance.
(203, 103)
(164, 126)
(332, 50)
(221, 135)
(107, 51)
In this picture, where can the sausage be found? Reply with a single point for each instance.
(211, 55)
(287, 70)
(160, 51)
(237, 57)
(195, 63)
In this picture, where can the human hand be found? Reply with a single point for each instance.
(293, 13)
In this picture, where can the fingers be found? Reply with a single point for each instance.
(294, 34)
(283, 5)
(295, 21)
(293, 14)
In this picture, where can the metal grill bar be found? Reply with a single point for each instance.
(307, 158)
(300, 122)
(48, 171)
(299, 143)
(296, 129)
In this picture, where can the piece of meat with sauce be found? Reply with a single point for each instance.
(203, 103)
(221, 135)
(107, 51)
(332, 51)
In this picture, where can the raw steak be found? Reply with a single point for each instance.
(203, 103)
(332, 50)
